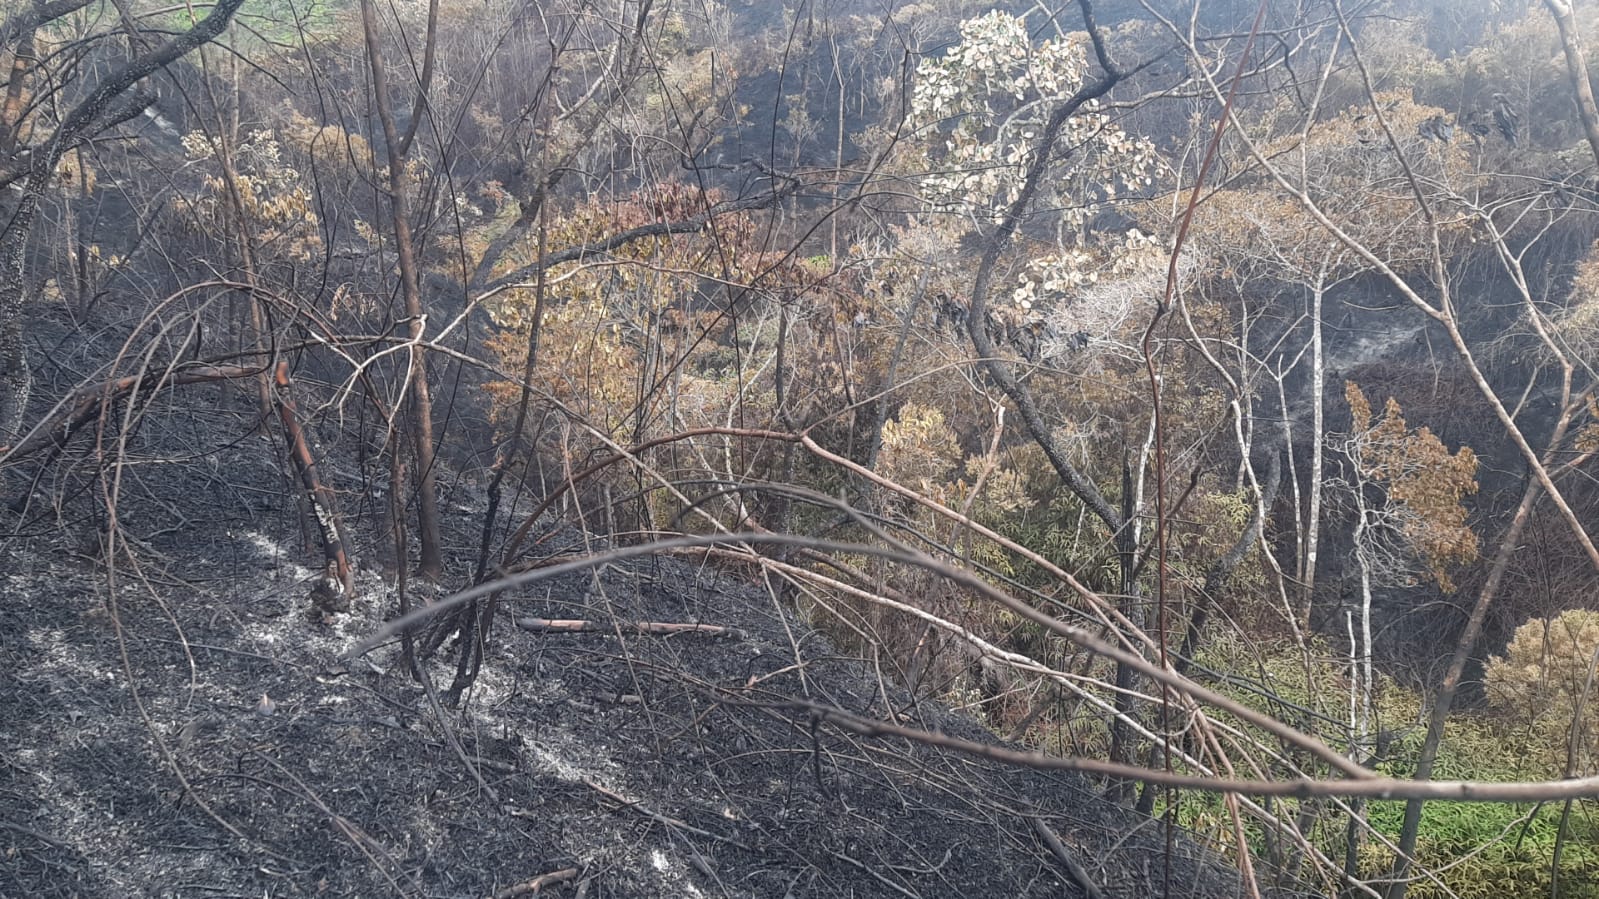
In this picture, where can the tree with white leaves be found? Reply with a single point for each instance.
(981, 108)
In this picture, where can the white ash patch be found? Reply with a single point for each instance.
(61, 656)
(279, 555)
(672, 873)
(295, 634)
(558, 754)
(493, 688)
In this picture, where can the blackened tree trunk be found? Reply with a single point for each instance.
(431, 562)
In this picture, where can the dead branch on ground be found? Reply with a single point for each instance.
(645, 628)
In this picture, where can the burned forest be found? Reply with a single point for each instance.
(799, 448)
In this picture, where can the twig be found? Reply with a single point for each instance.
(659, 818)
(1058, 849)
(903, 891)
(537, 883)
(652, 628)
(450, 735)
(28, 831)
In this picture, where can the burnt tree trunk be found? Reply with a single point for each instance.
(431, 562)
(338, 584)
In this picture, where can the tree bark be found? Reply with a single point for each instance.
(27, 20)
(1577, 70)
(431, 560)
(339, 583)
(1318, 432)
(11, 114)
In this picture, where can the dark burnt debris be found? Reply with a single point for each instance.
(622, 765)
(233, 752)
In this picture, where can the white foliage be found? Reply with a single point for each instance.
(989, 98)
(1105, 300)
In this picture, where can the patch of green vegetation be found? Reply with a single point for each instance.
(1473, 849)
(272, 25)
(1483, 849)
(1490, 850)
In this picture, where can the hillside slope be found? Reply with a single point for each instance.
(628, 766)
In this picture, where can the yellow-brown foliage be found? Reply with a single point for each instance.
(266, 191)
(1577, 328)
(1348, 168)
(1545, 676)
(1421, 476)
(327, 145)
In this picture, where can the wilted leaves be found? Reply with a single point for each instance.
(1547, 673)
(1425, 483)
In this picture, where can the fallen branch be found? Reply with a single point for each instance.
(84, 406)
(36, 834)
(1356, 780)
(538, 883)
(878, 875)
(1073, 868)
(649, 628)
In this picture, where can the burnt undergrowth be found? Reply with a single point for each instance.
(179, 721)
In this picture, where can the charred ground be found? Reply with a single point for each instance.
(137, 759)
